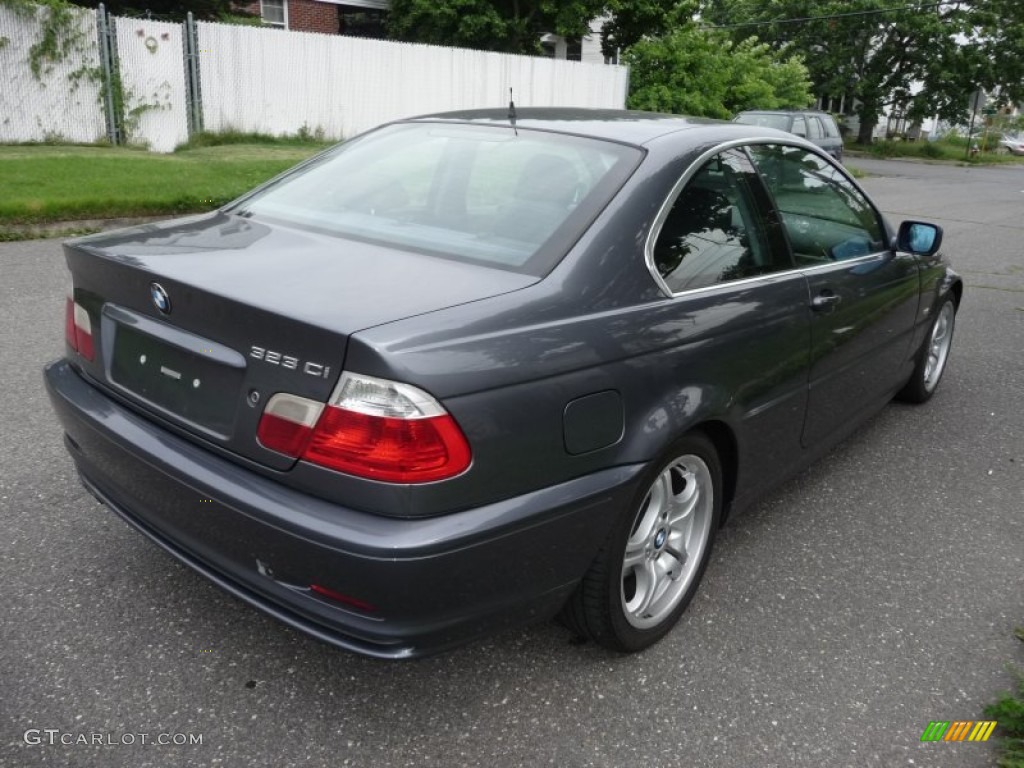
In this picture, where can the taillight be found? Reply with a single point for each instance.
(372, 428)
(78, 329)
(287, 423)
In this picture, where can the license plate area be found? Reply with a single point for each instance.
(191, 386)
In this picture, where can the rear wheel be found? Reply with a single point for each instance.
(650, 566)
(931, 360)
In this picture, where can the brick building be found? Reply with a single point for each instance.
(362, 18)
(365, 18)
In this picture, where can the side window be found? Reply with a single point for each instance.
(713, 232)
(831, 129)
(825, 216)
(814, 130)
(799, 126)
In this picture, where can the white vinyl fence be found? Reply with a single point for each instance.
(153, 81)
(270, 81)
(262, 80)
(63, 103)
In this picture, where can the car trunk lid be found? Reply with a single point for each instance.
(199, 322)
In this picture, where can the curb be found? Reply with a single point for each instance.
(74, 227)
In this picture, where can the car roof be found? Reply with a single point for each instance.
(621, 125)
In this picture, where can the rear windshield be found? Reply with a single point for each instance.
(781, 122)
(486, 194)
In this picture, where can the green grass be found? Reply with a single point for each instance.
(951, 149)
(1008, 711)
(303, 138)
(44, 183)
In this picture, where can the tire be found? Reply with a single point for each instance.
(932, 357)
(652, 562)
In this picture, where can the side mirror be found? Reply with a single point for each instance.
(919, 238)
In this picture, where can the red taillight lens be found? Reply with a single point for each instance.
(388, 449)
(78, 329)
(372, 428)
(282, 435)
(287, 423)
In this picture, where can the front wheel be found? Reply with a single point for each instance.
(931, 360)
(649, 568)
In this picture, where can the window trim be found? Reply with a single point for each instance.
(284, 14)
(695, 167)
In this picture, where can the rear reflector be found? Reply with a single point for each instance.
(78, 329)
(373, 428)
(354, 602)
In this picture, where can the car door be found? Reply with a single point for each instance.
(720, 252)
(863, 296)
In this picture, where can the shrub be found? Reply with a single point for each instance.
(884, 149)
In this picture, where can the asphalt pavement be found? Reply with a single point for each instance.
(875, 593)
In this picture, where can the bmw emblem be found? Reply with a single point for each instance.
(160, 298)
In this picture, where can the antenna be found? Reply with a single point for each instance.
(512, 112)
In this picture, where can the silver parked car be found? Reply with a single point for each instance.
(1013, 143)
(817, 127)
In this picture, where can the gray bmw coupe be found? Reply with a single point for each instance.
(466, 371)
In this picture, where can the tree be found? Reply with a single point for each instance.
(632, 20)
(510, 26)
(515, 26)
(920, 56)
(166, 10)
(675, 66)
(702, 72)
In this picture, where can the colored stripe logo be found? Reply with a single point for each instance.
(958, 730)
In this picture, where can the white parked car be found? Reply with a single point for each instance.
(1013, 143)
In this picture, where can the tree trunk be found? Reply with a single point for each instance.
(868, 112)
(866, 130)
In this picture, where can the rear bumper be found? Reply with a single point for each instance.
(433, 583)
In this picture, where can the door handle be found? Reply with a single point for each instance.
(825, 301)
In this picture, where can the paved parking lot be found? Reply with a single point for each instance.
(872, 594)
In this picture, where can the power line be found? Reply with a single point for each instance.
(826, 17)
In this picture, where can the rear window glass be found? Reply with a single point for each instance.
(492, 195)
(779, 122)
